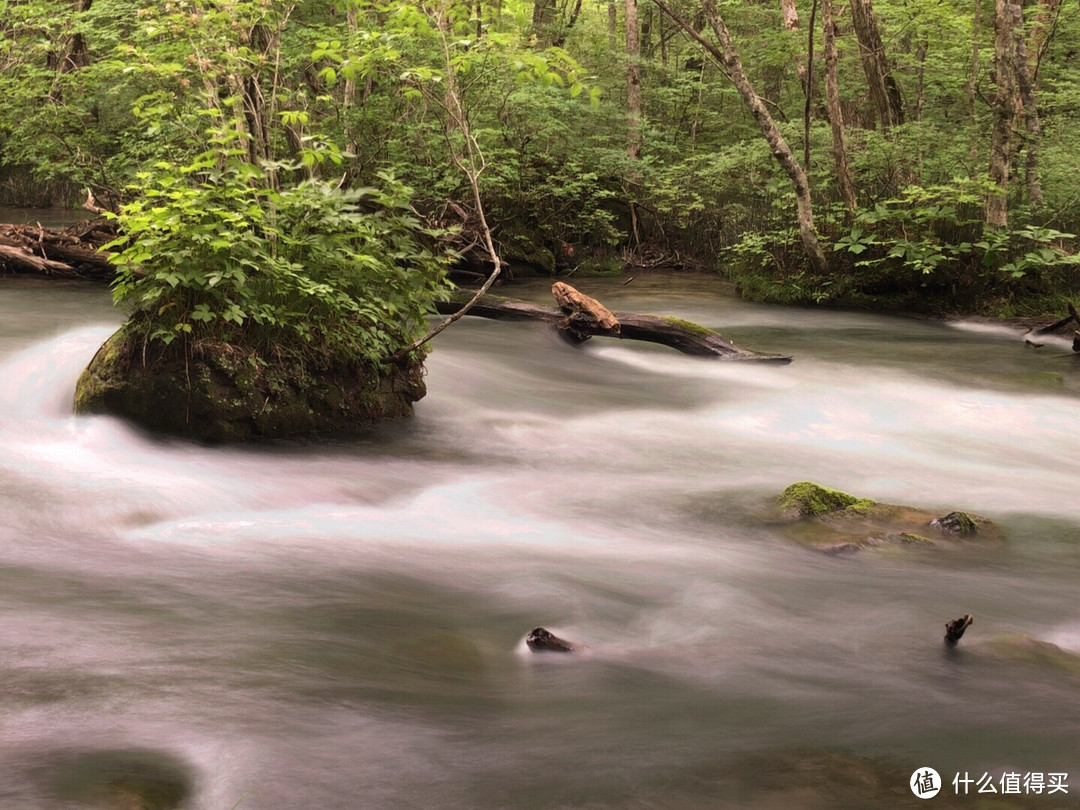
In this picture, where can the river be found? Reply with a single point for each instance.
(340, 624)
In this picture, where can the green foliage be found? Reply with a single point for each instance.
(213, 253)
(333, 93)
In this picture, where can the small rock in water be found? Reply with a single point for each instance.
(959, 523)
(954, 630)
(541, 640)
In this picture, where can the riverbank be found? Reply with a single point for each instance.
(63, 244)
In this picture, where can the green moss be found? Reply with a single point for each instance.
(807, 499)
(690, 326)
(221, 393)
(521, 249)
(606, 266)
(911, 537)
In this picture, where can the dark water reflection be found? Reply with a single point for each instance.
(340, 625)
(46, 217)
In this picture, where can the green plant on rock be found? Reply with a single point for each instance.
(214, 253)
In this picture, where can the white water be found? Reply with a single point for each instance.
(340, 625)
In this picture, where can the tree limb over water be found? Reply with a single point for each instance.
(685, 336)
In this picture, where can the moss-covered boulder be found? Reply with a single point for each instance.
(806, 499)
(220, 393)
(836, 522)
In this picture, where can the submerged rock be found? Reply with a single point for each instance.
(541, 640)
(130, 779)
(1030, 650)
(224, 394)
(839, 523)
(962, 524)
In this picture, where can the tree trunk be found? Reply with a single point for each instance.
(543, 21)
(1046, 21)
(836, 113)
(808, 85)
(1030, 109)
(612, 24)
(884, 91)
(973, 78)
(729, 60)
(684, 336)
(633, 82)
(1003, 109)
(790, 17)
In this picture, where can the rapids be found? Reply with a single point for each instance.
(341, 624)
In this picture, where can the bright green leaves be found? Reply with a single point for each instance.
(209, 255)
(939, 229)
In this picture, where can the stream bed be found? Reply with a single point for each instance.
(340, 624)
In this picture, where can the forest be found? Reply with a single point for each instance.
(233, 575)
(266, 159)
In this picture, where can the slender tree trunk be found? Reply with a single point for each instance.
(1046, 21)
(808, 85)
(1003, 109)
(1030, 109)
(790, 17)
(696, 120)
(646, 33)
(920, 98)
(612, 24)
(973, 79)
(633, 82)
(884, 91)
(728, 58)
(836, 113)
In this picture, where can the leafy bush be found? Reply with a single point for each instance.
(211, 251)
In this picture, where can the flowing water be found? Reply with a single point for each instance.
(341, 624)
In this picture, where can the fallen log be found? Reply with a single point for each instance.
(685, 336)
(23, 260)
(71, 253)
(1072, 316)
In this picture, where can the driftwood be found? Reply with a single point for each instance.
(686, 337)
(954, 630)
(585, 316)
(71, 253)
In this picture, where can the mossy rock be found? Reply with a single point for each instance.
(139, 779)
(225, 394)
(603, 266)
(836, 522)
(806, 499)
(522, 251)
